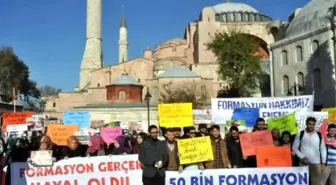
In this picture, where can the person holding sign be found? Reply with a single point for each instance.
(235, 153)
(154, 158)
(73, 149)
(45, 145)
(172, 149)
(221, 159)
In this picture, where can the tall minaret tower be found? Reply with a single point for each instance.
(92, 57)
(123, 43)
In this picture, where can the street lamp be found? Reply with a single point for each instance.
(148, 96)
(298, 89)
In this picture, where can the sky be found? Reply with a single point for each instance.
(49, 35)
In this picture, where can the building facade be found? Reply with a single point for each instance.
(178, 61)
(303, 57)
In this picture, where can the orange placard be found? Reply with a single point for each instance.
(60, 133)
(14, 118)
(272, 156)
(250, 141)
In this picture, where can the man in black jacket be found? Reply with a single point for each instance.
(153, 156)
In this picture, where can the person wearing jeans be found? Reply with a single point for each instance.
(330, 172)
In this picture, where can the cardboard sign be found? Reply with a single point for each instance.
(331, 114)
(195, 150)
(42, 158)
(284, 123)
(251, 141)
(14, 118)
(109, 134)
(174, 115)
(60, 133)
(81, 118)
(272, 156)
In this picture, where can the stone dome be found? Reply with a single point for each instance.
(238, 12)
(124, 79)
(233, 7)
(311, 17)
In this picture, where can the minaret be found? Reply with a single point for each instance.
(123, 44)
(92, 57)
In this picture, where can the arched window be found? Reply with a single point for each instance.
(98, 85)
(122, 96)
(300, 79)
(315, 47)
(299, 54)
(317, 79)
(284, 57)
(54, 104)
(285, 84)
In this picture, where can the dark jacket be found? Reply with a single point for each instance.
(235, 153)
(152, 151)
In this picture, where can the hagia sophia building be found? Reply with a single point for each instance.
(109, 92)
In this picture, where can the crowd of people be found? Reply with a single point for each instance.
(157, 156)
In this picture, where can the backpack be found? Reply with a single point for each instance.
(296, 158)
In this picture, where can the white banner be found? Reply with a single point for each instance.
(222, 108)
(17, 128)
(125, 170)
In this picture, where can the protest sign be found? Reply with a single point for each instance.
(42, 158)
(250, 141)
(249, 115)
(83, 135)
(222, 108)
(126, 170)
(60, 133)
(202, 116)
(284, 123)
(175, 115)
(14, 118)
(109, 134)
(274, 156)
(81, 118)
(97, 123)
(324, 131)
(331, 114)
(302, 116)
(194, 150)
(17, 128)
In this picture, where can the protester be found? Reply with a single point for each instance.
(330, 171)
(173, 157)
(235, 153)
(72, 149)
(119, 147)
(286, 139)
(276, 136)
(46, 144)
(203, 129)
(260, 125)
(153, 157)
(177, 132)
(141, 137)
(221, 159)
(311, 150)
(96, 146)
(191, 133)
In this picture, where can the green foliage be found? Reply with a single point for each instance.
(238, 66)
(191, 93)
(14, 73)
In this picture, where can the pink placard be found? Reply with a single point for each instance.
(109, 134)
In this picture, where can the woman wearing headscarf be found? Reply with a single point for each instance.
(46, 144)
(118, 147)
(72, 149)
(141, 137)
(16, 153)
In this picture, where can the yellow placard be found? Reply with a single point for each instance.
(284, 123)
(331, 114)
(175, 115)
(195, 150)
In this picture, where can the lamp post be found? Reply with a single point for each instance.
(298, 89)
(148, 96)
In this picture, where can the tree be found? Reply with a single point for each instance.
(14, 73)
(239, 67)
(47, 90)
(190, 93)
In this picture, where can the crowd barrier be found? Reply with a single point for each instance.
(126, 170)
